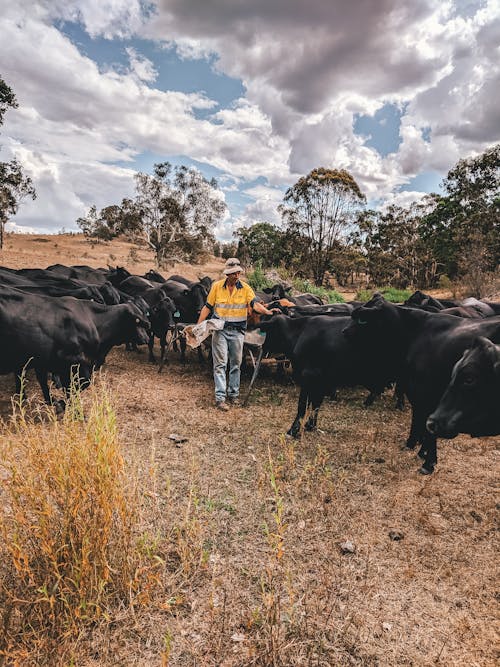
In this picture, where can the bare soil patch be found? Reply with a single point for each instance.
(265, 522)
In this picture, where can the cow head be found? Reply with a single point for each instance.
(277, 291)
(136, 326)
(368, 319)
(161, 316)
(470, 402)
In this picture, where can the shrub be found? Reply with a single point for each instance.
(328, 295)
(390, 293)
(257, 278)
(67, 527)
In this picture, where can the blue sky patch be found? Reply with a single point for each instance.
(174, 73)
(427, 181)
(381, 129)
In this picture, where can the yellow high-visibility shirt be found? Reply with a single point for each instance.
(232, 308)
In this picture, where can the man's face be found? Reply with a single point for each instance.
(233, 277)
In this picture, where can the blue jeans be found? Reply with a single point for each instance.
(227, 346)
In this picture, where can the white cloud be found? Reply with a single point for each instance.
(141, 66)
(307, 68)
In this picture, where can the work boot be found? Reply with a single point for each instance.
(222, 405)
(235, 401)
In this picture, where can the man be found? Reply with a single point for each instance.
(228, 300)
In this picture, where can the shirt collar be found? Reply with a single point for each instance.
(237, 284)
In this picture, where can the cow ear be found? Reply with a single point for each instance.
(288, 289)
(267, 290)
(485, 344)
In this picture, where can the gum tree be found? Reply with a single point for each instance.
(321, 207)
(14, 184)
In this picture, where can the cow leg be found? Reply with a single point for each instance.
(370, 399)
(131, 347)
(151, 343)
(316, 399)
(399, 395)
(294, 429)
(42, 377)
(417, 428)
(183, 349)
(163, 345)
(429, 449)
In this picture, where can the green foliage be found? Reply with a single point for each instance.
(444, 282)
(14, 184)
(390, 293)
(467, 215)
(328, 295)
(261, 243)
(257, 278)
(174, 212)
(320, 207)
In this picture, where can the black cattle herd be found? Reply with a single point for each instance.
(444, 356)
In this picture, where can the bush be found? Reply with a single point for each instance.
(390, 293)
(67, 528)
(257, 278)
(328, 295)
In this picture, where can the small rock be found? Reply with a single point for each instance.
(238, 637)
(178, 439)
(301, 525)
(387, 626)
(396, 535)
(477, 517)
(379, 459)
(347, 547)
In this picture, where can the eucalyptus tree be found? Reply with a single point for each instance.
(176, 204)
(14, 184)
(321, 207)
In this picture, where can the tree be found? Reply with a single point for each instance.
(396, 253)
(261, 242)
(467, 215)
(320, 206)
(111, 221)
(177, 204)
(14, 184)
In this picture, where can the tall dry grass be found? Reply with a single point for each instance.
(68, 524)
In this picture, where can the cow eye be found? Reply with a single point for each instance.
(468, 380)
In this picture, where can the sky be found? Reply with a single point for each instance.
(255, 93)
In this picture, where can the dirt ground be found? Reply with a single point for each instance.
(329, 550)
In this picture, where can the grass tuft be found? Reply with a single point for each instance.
(67, 526)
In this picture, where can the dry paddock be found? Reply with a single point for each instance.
(274, 581)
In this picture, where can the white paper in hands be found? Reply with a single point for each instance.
(196, 333)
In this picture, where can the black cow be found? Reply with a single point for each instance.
(117, 275)
(325, 309)
(471, 400)
(422, 300)
(153, 276)
(323, 359)
(420, 349)
(277, 291)
(56, 288)
(160, 309)
(55, 334)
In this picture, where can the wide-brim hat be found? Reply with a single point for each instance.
(232, 265)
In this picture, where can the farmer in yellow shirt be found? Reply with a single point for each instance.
(228, 300)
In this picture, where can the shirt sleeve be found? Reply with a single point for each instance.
(211, 297)
(250, 295)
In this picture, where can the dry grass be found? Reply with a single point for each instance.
(246, 529)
